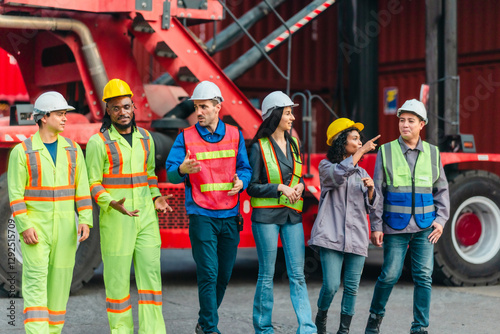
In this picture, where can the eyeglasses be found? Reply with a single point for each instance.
(126, 107)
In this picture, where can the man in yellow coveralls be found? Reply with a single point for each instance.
(121, 164)
(47, 179)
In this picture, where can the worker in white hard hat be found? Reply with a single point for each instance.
(410, 216)
(47, 180)
(276, 189)
(211, 159)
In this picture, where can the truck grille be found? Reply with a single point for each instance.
(177, 219)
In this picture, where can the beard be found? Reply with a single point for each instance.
(123, 126)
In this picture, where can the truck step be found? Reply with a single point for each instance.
(163, 50)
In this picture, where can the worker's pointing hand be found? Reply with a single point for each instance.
(118, 206)
(237, 186)
(369, 145)
(189, 166)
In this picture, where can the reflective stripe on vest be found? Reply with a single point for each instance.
(274, 176)
(36, 313)
(35, 191)
(118, 305)
(115, 178)
(150, 297)
(406, 196)
(209, 187)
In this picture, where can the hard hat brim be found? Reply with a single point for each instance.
(358, 126)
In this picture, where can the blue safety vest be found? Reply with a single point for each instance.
(406, 194)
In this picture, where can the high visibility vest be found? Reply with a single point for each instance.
(116, 180)
(209, 187)
(274, 176)
(409, 195)
(45, 189)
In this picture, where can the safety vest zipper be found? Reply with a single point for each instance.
(413, 187)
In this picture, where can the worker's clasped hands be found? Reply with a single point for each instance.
(293, 194)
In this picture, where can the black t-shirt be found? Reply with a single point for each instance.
(128, 137)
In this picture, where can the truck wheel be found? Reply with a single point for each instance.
(88, 254)
(468, 252)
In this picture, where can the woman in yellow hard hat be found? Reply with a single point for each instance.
(340, 232)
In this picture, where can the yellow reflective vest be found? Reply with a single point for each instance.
(274, 176)
(117, 170)
(42, 192)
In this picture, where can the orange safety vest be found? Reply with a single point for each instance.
(210, 186)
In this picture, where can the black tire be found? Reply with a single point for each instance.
(88, 254)
(477, 192)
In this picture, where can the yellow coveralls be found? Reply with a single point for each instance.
(117, 170)
(44, 196)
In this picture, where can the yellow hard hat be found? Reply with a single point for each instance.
(338, 126)
(115, 88)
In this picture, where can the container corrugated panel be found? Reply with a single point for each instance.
(12, 87)
(408, 85)
(480, 109)
(402, 37)
(478, 26)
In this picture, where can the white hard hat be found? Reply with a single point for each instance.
(48, 102)
(414, 106)
(275, 100)
(207, 90)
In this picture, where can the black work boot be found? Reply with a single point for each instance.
(420, 331)
(321, 321)
(373, 324)
(345, 323)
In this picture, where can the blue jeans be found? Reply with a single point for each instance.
(214, 243)
(422, 262)
(266, 240)
(331, 264)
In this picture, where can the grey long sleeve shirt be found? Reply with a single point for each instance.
(341, 223)
(439, 192)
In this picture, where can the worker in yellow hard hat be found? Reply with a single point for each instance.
(121, 164)
(340, 233)
(47, 180)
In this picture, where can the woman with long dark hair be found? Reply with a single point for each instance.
(276, 188)
(340, 232)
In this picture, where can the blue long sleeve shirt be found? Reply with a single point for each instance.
(177, 155)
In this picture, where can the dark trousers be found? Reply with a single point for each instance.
(214, 243)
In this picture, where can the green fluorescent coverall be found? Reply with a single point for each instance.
(116, 171)
(44, 196)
